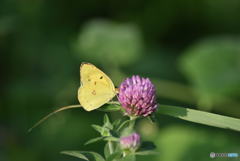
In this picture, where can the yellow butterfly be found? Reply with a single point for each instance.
(96, 89)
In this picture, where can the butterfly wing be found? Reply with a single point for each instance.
(96, 87)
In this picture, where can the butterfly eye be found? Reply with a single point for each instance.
(101, 77)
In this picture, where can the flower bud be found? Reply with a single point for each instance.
(130, 142)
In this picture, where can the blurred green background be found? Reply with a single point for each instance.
(190, 49)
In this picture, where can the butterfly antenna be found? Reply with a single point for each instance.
(52, 113)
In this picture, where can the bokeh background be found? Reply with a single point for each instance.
(190, 49)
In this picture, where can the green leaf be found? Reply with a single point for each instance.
(111, 138)
(128, 158)
(106, 150)
(106, 119)
(116, 123)
(105, 138)
(104, 131)
(146, 152)
(107, 123)
(114, 156)
(98, 128)
(200, 117)
(76, 154)
(93, 140)
(85, 155)
(110, 108)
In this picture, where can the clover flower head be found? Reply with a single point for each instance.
(137, 96)
(130, 142)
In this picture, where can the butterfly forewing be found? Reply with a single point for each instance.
(96, 87)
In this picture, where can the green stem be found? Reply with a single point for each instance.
(123, 124)
(110, 147)
(132, 123)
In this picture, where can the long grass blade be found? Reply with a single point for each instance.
(200, 117)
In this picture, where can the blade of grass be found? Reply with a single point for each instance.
(200, 117)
